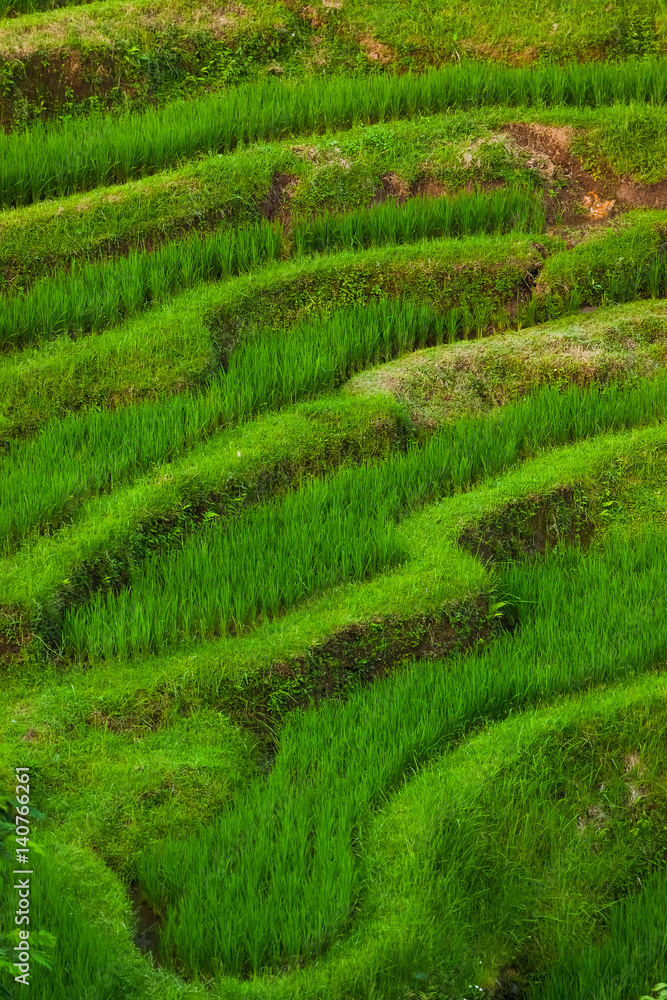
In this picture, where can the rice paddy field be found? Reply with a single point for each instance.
(333, 500)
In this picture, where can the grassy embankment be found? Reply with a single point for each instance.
(613, 641)
(105, 56)
(499, 514)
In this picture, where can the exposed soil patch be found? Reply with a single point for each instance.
(67, 75)
(642, 195)
(635, 768)
(376, 51)
(366, 651)
(597, 207)
(427, 187)
(148, 925)
(551, 157)
(391, 186)
(549, 147)
(14, 636)
(316, 18)
(217, 23)
(529, 527)
(503, 54)
(309, 153)
(150, 717)
(8, 649)
(509, 985)
(277, 203)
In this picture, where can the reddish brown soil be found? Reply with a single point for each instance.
(642, 195)
(276, 205)
(427, 187)
(392, 186)
(551, 149)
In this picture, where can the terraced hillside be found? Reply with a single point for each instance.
(333, 501)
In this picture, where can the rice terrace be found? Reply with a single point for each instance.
(333, 500)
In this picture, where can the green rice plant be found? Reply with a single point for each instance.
(14, 8)
(649, 279)
(423, 218)
(44, 480)
(491, 821)
(92, 296)
(574, 301)
(453, 324)
(277, 877)
(80, 949)
(201, 602)
(618, 264)
(229, 577)
(656, 278)
(51, 161)
(636, 941)
(482, 314)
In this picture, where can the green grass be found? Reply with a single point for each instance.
(111, 55)
(77, 718)
(294, 885)
(340, 638)
(197, 591)
(127, 54)
(436, 385)
(615, 264)
(335, 172)
(632, 954)
(619, 264)
(127, 440)
(137, 361)
(116, 446)
(425, 33)
(50, 162)
(631, 139)
(144, 776)
(226, 578)
(380, 331)
(217, 192)
(93, 955)
(93, 296)
(277, 453)
(615, 344)
(12, 8)
(531, 840)
(183, 341)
